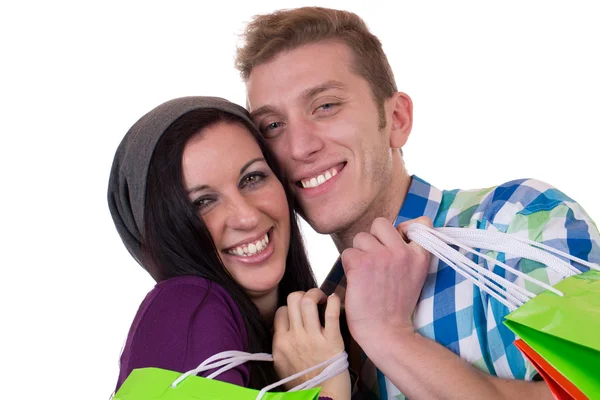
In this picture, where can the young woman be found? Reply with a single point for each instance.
(197, 200)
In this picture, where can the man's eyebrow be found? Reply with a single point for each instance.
(260, 111)
(249, 163)
(307, 94)
(312, 92)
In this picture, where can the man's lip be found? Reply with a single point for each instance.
(249, 240)
(309, 175)
(308, 193)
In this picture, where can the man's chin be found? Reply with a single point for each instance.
(324, 226)
(322, 220)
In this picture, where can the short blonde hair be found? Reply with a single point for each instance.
(268, 35)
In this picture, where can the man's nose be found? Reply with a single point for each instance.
(242, 213)
(304, 140)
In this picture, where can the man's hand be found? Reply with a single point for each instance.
(385, 275)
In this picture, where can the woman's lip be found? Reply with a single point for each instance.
(258, 257)
(247, 242)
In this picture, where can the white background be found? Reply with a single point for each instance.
(501, 90)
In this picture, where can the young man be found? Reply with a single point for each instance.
(323, 94)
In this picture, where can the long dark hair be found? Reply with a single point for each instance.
(177, 242)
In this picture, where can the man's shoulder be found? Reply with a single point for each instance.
(518, 190)
(499, 204)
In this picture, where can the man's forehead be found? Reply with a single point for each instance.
(298, 74)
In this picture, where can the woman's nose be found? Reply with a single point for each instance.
(243, 214)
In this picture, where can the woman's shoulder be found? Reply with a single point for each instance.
(181, 322)
(190, 284)
(187, 300)
(182, 288)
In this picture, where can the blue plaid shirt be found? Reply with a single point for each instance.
(454, 312)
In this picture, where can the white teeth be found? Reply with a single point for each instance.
(250, 248)
(319, 180)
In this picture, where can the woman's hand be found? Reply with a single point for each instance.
(301, 342)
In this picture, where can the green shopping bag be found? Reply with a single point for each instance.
(155, 384)
(565, 330)
(561, 325)
(161, 384)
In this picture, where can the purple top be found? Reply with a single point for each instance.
(182, 322)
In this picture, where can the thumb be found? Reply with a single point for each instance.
(351, 259)
(403, 227)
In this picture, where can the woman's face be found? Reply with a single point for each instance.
(242, 203)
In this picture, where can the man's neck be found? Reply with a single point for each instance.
(386, 205)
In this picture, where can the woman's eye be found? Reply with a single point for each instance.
(253, 178)
(202, 202)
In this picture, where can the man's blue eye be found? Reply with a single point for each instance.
(272, 130)
(327, 107)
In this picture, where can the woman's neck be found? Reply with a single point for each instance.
(267, 305)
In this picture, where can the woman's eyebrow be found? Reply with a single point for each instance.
(197, 189)
(249, 163)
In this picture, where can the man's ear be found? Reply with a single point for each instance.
(401, 108)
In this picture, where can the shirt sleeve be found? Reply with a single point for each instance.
(181, 326)
(554, 219)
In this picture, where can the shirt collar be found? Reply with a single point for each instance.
(421, 200)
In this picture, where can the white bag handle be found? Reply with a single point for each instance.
(437, 242)
(231, 359)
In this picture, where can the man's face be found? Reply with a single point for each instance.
(322, 122)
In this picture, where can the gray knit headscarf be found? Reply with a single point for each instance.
(127, 183)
